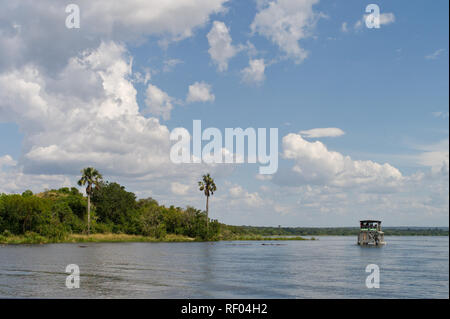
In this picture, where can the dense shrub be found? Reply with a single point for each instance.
(55, 213)
(113, 203)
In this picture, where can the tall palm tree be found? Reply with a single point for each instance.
(90, 177)
(207, 186)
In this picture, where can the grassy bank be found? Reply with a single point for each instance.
(33, 238)
(115, 238)
(94, 238)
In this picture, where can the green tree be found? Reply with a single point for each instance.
(27, 193)
(113, 204)
(92, 178)
(207, 186)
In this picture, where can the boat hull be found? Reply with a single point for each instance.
(371, 238)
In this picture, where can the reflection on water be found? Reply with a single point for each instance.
(332, 267)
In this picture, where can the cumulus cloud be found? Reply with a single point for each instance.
(158, 102)
(200, 92)
(239, 195)
(315, 164)
(254, 73)
(434, 155)
(323, 132)
(142, 77)
(285, 23)
(14, 180)
(434, 159)
(179, 188)
(220, 47)
(7, 160)
(177, 18)
(27, 25)
(385, 19)
(65, 130)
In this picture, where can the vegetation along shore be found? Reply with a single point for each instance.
(109, 213)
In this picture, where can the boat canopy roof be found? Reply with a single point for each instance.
(370, 221)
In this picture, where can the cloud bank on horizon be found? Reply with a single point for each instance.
(108, 95)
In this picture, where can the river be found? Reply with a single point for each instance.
(331, 267)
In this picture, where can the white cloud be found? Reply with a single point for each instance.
(254, 73)
(179, 188)
(285, 23)
(7, 160)
(344, 27)
(443, 115)
(15, 181)
(142, 78)
(220, 47)
(445, 166)
(385, 19)
(263, 177)
(127, 21)
(170, 64)
(323, 132)
(435, 54)
(315, 164)
(87, 114)
(177, 18)
(200, 92)
(240, 196)
(436, 160)
(434, 155)
(158, 102)
(67, 127)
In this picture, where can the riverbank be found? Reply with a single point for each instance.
(33, 238)
(94, 238)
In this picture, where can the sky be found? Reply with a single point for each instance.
(362, 113)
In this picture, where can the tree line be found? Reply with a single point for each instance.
(107, 208)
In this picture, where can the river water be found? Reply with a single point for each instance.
(331, 267)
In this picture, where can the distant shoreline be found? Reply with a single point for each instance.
(336, 231)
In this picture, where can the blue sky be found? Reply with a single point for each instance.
(386, 88)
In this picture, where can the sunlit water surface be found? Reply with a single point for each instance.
(331, 267)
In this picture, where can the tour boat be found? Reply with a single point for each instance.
(370, 233)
